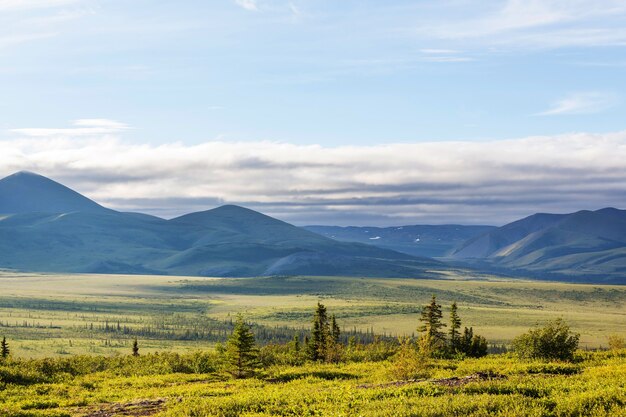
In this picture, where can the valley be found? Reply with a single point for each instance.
(66, 314)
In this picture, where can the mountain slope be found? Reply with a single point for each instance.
(48, 227)
(581, 244)
(245, 242)
(417, 240)
(26, 192)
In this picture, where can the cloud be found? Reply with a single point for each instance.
(581, 103)
(82, 127)
(403, 183)
(24, 21)
(19, 5)
(443, 55)
(528, 23)
(431, 51)
(248, 4)
(295, 10)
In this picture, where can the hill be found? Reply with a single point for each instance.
(585, 244)
(48, 227)
(417, 240)
(26, 192)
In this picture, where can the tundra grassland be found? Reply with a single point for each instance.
(71, 335)
(192, 385)
(65, 314)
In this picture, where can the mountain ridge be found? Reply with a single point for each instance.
(583, 243)
(47, 227)
(58, 230)
(27, 192)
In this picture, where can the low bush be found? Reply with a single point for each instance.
(554, 341)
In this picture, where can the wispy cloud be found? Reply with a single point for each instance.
(82, 127)
(251, 5)
(439, 51)
(462, 181)
(443, 55)
(24, 21)
(529, 23)
(18, 5)
(581, 103)
(295, 10)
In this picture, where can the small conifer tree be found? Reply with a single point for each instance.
(135, 347)
(4, 348)
(432, 325)
(320, 333)
(334, 328)
(323, 345)
(455, 325)
(241, 350)
(296, 343)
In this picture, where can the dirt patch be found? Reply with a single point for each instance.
(392, 383)
(137, 408)
(460, 381)
(454, 381)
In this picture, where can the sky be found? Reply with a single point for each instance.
(321, 111)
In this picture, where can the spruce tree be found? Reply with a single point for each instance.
(334, 328)
(241, 350)
(4, 348)
(320, 334)
(431, 327)
(465, 344)
(135, 347)
(296, 343)
(333, 350)
(455, 325)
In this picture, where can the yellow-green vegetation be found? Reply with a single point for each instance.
(172, 384)
(324, 373)
(60, 314)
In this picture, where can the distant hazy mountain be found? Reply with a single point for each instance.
(419, 240)
(45, 226)
(48, 227)
(588, 244)
(25, 192)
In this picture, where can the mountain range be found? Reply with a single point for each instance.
(45, 226)
(587, 244)
(433, 241)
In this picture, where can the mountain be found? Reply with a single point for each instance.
(45, 226)
(418, 240)
(26, 192)
(48, 227)
(585, 244)
(244, 242)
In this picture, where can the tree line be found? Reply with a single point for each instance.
(325, 342)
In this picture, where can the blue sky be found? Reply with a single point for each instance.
(307, 72)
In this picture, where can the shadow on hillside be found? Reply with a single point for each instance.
(327, 375)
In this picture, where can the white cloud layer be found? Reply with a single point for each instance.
(429, 182)
(17, 5)
(82, 127)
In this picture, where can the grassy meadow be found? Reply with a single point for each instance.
(191, 386)
(60, 314)
(71, 335)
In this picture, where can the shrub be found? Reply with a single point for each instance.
(410, 362)
(616, 342)
(379, 350)
(553, 341)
